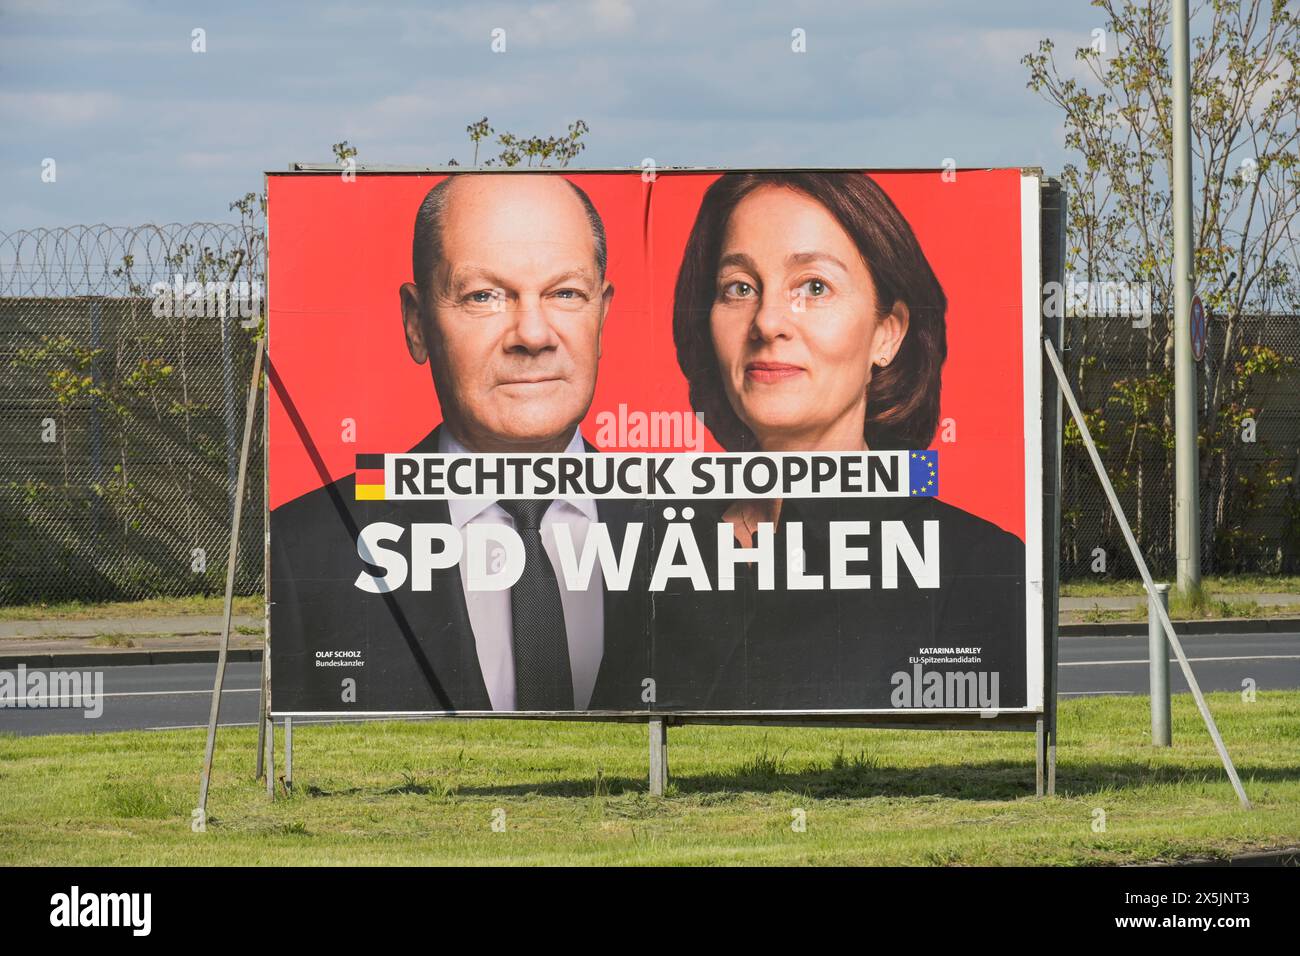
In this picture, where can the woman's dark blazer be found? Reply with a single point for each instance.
(748, 649)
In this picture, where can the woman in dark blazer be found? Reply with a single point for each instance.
(807, 318)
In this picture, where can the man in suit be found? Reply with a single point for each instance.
(507, 306)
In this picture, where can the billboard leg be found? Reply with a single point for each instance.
(1054, 239)
(1159, 608)
(215, 710)
(1040, 757)
(658, 756)
(270, 755)
(288, 753)
(1051, 753)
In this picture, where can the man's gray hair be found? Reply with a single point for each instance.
(426, 248)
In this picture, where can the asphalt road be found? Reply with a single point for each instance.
(1091, 666)
(164, 696)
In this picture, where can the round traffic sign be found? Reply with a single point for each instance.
(1198, 328)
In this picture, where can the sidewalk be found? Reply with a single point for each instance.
(197, 637)
(84, 643)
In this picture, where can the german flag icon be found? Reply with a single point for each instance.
(370, 477)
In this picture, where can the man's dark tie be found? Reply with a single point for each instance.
(543, 680)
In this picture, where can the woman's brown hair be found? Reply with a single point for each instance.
(903, 401)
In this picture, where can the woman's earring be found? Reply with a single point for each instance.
(884, 360)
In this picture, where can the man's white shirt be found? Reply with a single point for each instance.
(489, 611)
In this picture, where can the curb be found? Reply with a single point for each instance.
(1262, 625)
(78, 659)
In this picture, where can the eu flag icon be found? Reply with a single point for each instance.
(924, 473)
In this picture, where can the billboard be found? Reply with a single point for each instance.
(700, 442)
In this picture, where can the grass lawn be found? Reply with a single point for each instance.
(151, 607)
(1210, 610)
(567, 793)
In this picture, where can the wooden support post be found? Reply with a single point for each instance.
(215, 710)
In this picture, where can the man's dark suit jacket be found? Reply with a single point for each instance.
(417, 646)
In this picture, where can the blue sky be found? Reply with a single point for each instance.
(144, 130)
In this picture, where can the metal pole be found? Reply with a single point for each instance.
(261, 724)
(1174, 643)
(1054, 233)
(658, 756)
(1187, 500)
(262, 683)
(270, 754)
(1158, 650)
(231, 559)
(268, 724)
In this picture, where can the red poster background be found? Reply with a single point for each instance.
(338, 252)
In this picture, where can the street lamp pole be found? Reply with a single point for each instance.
(1186, 458)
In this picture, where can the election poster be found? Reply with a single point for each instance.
(609, 443)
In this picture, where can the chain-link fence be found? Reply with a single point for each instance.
(122, 411)
(122, 404)
(1248, 390)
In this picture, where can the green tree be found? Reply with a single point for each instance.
(1115, 100)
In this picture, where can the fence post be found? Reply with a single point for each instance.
(96, 415)
(228, 407)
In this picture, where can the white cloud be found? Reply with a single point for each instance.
(616, 16)
(143, 128)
